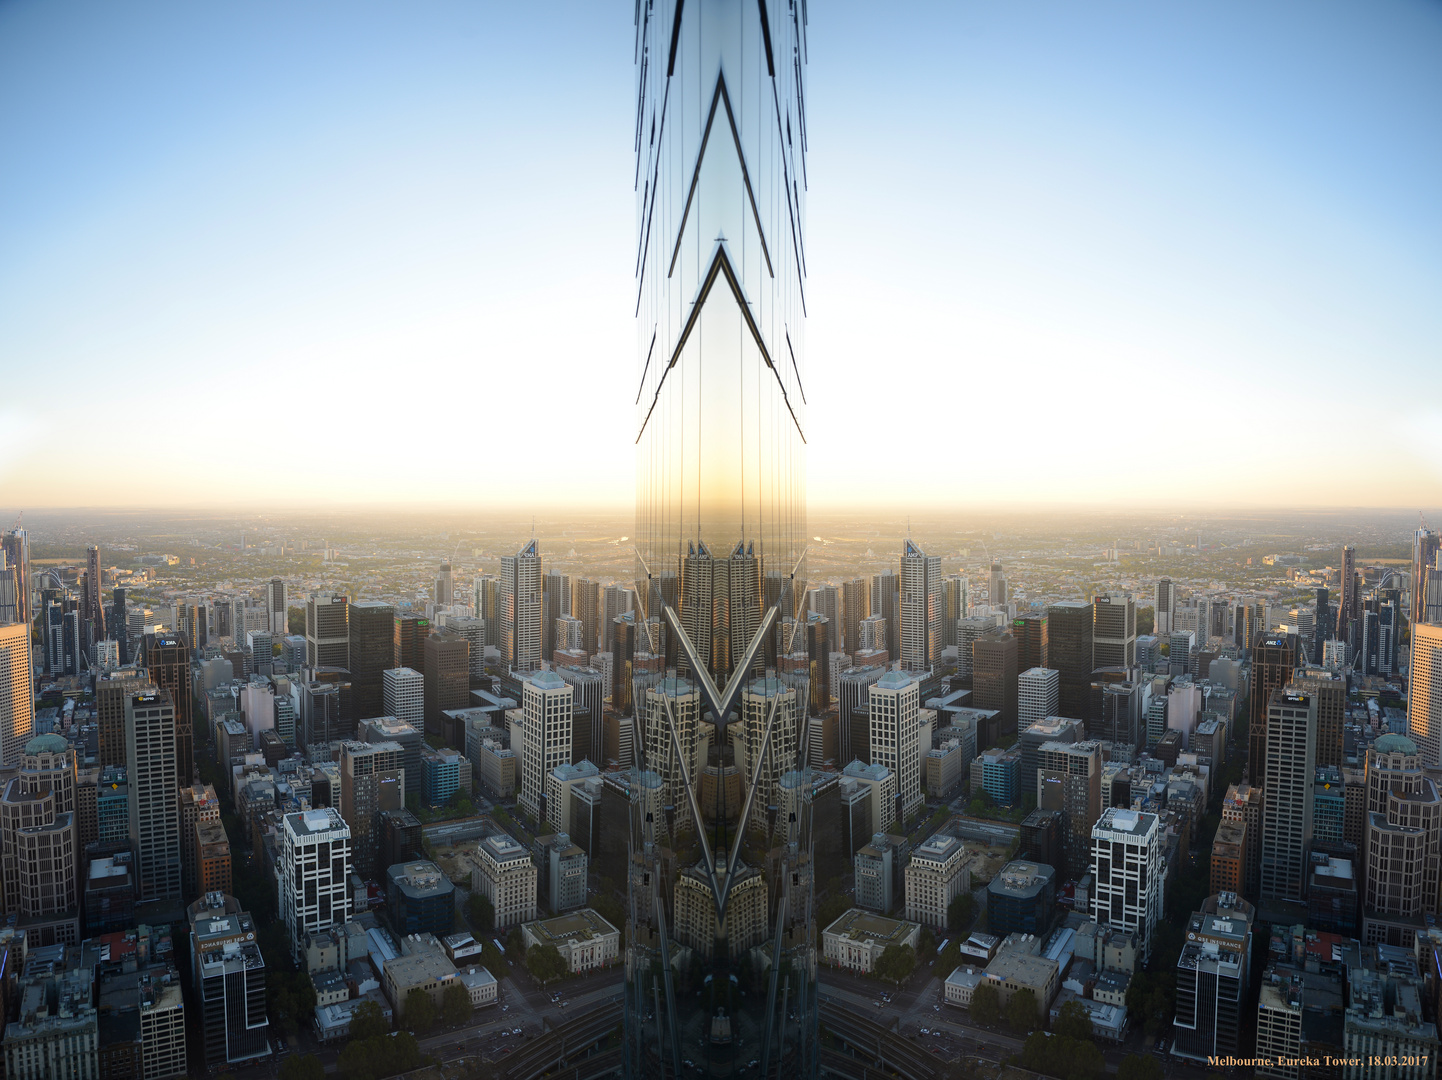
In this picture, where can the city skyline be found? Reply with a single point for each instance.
(338, 217)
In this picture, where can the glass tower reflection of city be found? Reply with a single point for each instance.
(720, 943)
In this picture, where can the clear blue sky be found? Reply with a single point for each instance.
(1129, 253)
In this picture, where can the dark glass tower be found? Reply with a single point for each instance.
(720, 943)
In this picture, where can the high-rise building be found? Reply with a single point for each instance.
(17, 695)
(1403, 837)
(1349, 603)
(15, 545)
(1329, 690)
(886, 603)
(94, 607)
(403, 696)
(228, 979)
(719, 608)
(768, 702)
(409, 641)
(445, 586)
(39, 843)
(167, 666)
(505, 874)
(152, 768)
(895, 703)
(920, 610)
(277, 613)
(1426, 545)
(371, 651)
(1069, 646)
(1291, 769)
(1243, 803)
(522, 609)
(936, 874)
(198, 803)
(586, 606)
(1038, 695)
(372, 781)
(996, 585)
(546, 706)
(1424, 700)
(855, 606)
(1069, 779)
(447, 680)
(1274, 661)
(327, 630)
(994, 678)
(1212, 979)
(555, 602)
(1114, 630)
(1126, 869)
(954, 606)
(1164, 605)
(313, 874)
(720, 415)
(615, 602)
(1030, 629)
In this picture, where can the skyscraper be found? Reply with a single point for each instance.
(16, 546)
(167, 666)
(1114, 630)
(1164, 604)
(996, 585)
(371, 650)
(94, 607)
(954, 607)
(894, 704)
(1425, 547)
(920, 609)
(855, 606)
(1290, 771)
(720, 138)
(1424, 702)
(327, 630)
(17, 696)
(826, 600)
(445, 586)
(586, 606)
(885, 602)
(1030, 629)
(1274, 660)
(447, 678)
(151, 737)
(1069, 634)
(521, 609)
(277, 613)
(486, 599)
(1349, 604)
(546, 706)
(313, 873)
(555, 603)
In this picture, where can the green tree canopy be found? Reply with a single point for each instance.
(455, 1003)
(419, 1013)
(1074, 1022)
(545, 963)
(367, 1020)
(1021, 1011)
(481, 912)
(896, 963)
(985, 1004)
(959, 911)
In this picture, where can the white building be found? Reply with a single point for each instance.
(155, 797)
(405, 695)
(522, 609)
(546, 736)
(921, 609)
(583, 938)
(506, 877)
(1038, 696)
(857, 939)
(1126, 868)
(312, 872)
(935, 876)
(1424, 703)
(756, 701)
(684, 702)
(881, 783)
(895, 707)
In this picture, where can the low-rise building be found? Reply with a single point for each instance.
(1015, 970)
(420, 898)
(481, 984)
(422, 965)
(1021, 898)
(961, 983)
(55, 1030)
(332, 1022)
(857, 939)
(565, 867)
(583, 938)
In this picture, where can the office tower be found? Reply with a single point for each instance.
(447, 681)
(546, 705)
(10, 589)
(936, 875)
(17, 697)
(875, 874)
(506, 876)
(1424, 700)
(955, 604)
(111, 690)
(1069, 634)
(15, 545)
(1291, 768)
(996, 585)
(369, 649)
(1180, 646)
(1426, 545)
(871, 635)
(1038, 695)
(1243, 803)
(327, 630)
(1031, 738)
(826, 600)
(1329, 691)
(1164, 604)
(967, 631)
(1349, 603)
(555, 602)
(262, 651)
(167, 666)
(885, 602)
(1031, 630)
(1229, 857)
(313, 872)
(1274, 661)
(854, 709)
(895, 703)
(409, 641)
(388, 729)
(1403, 831)
(474, 631)
(616, 601)
(1116, 717)
(719, 439)
(228, 980)
(588, 712)
(94, 608)
(1114, 630)
(52, 638)
(211, 847)
(72, 636)
(372, 780)
(586, 606)
(1069, 779)
(522, 609)
(325, 712)
(152, 768)
(1213, 980)
(920, 609)
(444, 586)
(486, 602)
(994, 678)
(855, 606)
(39, 843)
(768, 703)
(277, 611)
(1126, 869)
(198, 803)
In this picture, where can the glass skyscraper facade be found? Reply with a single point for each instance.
(720, 943)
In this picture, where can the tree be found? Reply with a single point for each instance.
(302, 1067)
(959, 911)
(455, 1003)
(1073, 1022)
(1021, 1010)
(1140, 1067)
(515, 940)
(545, 963)
(925, 943)
(367, 1020)
(419, 1012)
(985, 1004)
(896, 963)
(831, 909)
(481, 912)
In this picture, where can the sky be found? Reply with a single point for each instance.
(281, 255)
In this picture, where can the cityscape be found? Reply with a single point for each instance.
(360, 718)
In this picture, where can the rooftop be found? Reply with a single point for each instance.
(581, 925)
(861, 925)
